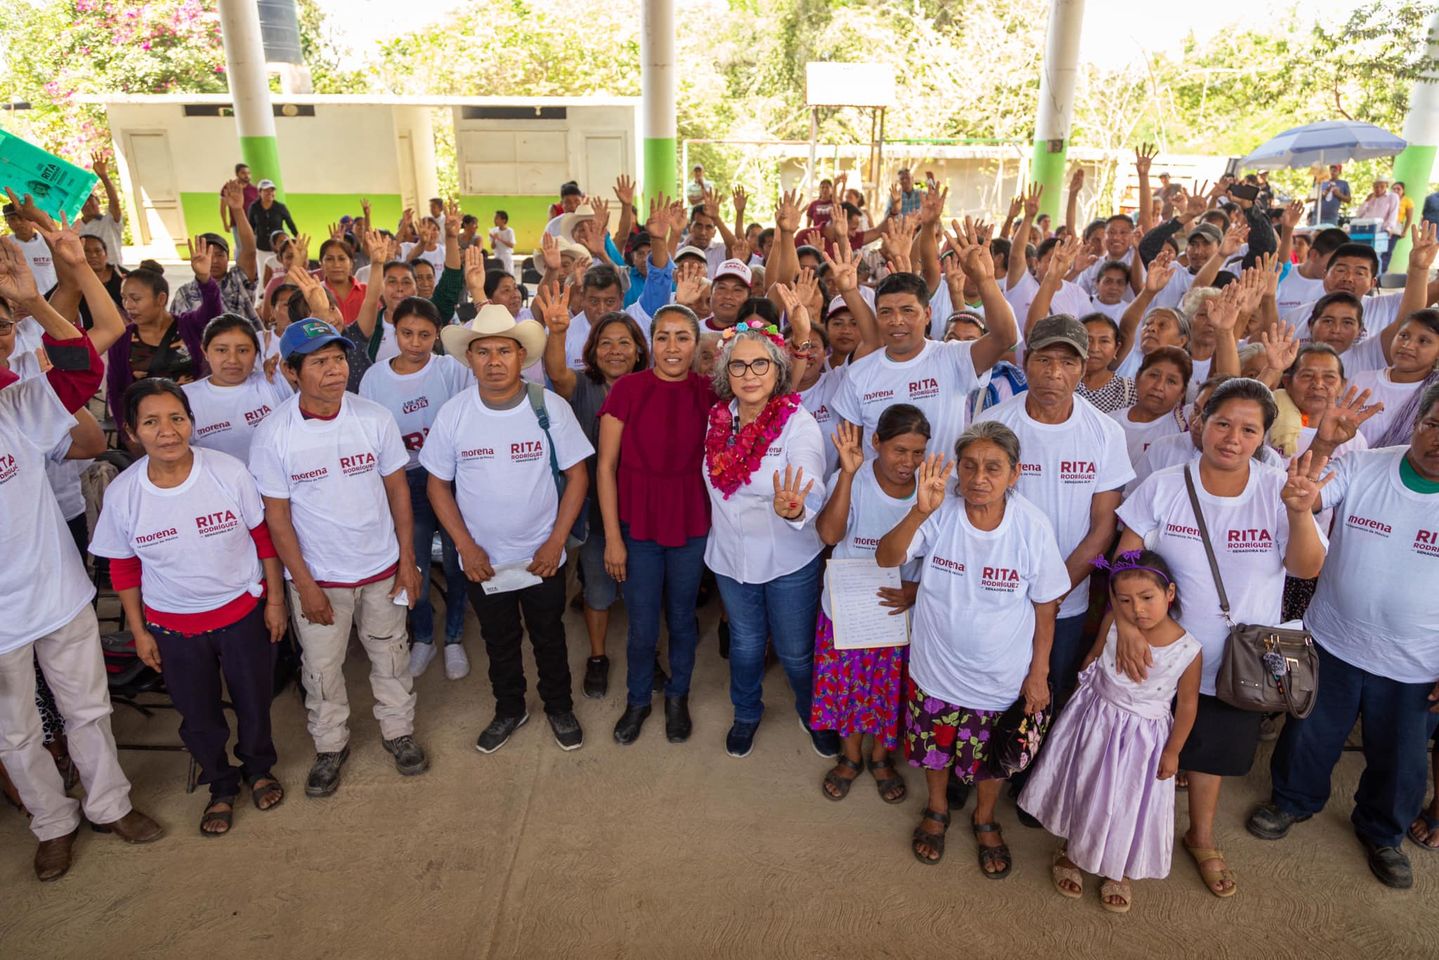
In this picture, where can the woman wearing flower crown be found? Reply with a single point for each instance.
(764, 464)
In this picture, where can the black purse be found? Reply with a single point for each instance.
(1015, 739)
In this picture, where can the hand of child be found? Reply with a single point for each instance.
(1168, 764)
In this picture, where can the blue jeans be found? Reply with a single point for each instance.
(782, 611)
(1397, 727)
(670, 576)
(422, 617)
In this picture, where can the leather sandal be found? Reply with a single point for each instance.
(1204, 859)
(1062, 874)
(935, 841)
(1116, 888)
(996, 855)
(263, 789)
(841, 785)
(213, 816)
(886, 784)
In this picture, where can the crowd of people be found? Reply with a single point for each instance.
(1026, 444)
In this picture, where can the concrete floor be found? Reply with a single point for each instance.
(656, 850)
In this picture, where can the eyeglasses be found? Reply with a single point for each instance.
(6, 326)
(738, 368)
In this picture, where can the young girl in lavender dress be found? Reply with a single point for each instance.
(1105, 780)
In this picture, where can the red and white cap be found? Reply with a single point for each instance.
(737, 269)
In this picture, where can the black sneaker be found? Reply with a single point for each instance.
(677, 719)
(630, 723)
(1389, 865)
(597, 677)
(566, 727)
(497, 734)
(825, 742)
(324, 778)
(409, 758)
(661, 678)
(1268, 822)
(740, 739)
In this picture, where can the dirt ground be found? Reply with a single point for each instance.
(655, 850)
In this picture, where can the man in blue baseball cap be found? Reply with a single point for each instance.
(331, 467)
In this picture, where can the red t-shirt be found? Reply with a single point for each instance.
(820, 212)
(661, 490)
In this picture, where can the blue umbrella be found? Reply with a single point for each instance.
(1329, 141)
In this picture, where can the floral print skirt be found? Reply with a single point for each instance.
(856, 691)
(939, 735)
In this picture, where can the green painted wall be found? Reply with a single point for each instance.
(313, 212)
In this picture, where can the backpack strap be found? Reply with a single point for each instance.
(536, 394)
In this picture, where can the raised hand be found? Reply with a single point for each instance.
(552, 304)
(974, 257)
(679, 217)
(601, 207)
(365, 208)
(1224, 309)
(1031, 200)
(1301, 492)
(691, 287)
(1016, 204)
(550, 251)
(302, 250)
(711, 204)
(789, 495)
(1280, 346)
(931, 205)
(453, 219)
(625, 192)
(1341, 422)
(843, 267)
(786, 215)
(200, 259)
(847, 439)
(1194, 204)
(931, 483)
(473, 260)
(65, 244)
(1144, 155)
(897, 239)
(316, 298)
(28, 210)
(740, 199)
(1061, 260)
(1424, 237)
(1292, 214)
(1161, 270)
(1076, 179)
(100, 165)
(233, 193)
(796, 301)
(17, 283)
(337, 232)
(1234, 238)
(806, 287)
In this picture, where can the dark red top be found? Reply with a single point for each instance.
(661, 490)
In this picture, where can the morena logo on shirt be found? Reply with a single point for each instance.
(310, 476)
(478, 453)
(1181, 531)
(210, 428)
(252, 417)
(525, 451)
(214, 524)
(1369, 524)
(1077, 471)
(410, 406)
(1248, 541)
(1427, 543)
(158, 536)
(8, 467)
(946, 564)
(999, 578)
(1031, 469)
(923, 387)
(877, 395)
(357, 464)
(865, 543)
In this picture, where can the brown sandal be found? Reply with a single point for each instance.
(840, 784)
(935, 841)
(1061, 874)
(212, 815)
(891, 782)
(263, 789)
(1116, 888)
(1204, 858)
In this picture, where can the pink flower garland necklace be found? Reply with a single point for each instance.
(733, 455)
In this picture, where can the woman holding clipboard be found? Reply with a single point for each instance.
(857, 690)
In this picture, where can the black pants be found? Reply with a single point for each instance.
(543, 608)
(192, 667)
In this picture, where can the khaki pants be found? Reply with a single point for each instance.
(381, 625)
(75, 669)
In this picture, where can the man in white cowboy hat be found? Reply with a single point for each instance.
(331, 468)
(498, 457)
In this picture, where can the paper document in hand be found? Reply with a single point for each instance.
(510, 576)
(859, 620)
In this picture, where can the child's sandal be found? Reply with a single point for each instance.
(1119, 889)
(1062, 874)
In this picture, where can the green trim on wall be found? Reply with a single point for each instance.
(313, 212)
(262, 155)
(1048, 169)
(528, 215)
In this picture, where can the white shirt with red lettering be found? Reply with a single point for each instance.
(415, 399)
(872, 514)
(332, 472)
(193, 541)
(1138, 437)
(500, 463)
(1062, 467)
(819, 401)
(937, 380)
(1374, 606)
(1249, 533)
(226, 417)
(48, 586)
(972, 636)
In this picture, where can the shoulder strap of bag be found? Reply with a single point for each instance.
(536, 393)
(1204, 536)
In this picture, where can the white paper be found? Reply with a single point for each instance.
(510, 576)
(859, 620)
